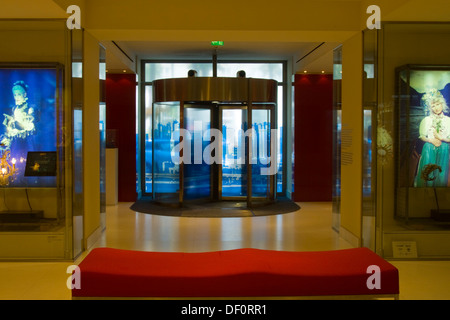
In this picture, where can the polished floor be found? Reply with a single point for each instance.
(308, 229)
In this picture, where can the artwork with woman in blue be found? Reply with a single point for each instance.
(28, 118)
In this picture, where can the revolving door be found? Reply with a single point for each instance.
(214, 139)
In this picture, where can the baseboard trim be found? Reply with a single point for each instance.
(349, 237)
(94, 237)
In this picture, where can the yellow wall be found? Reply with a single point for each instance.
(351, 160)
(223, 15)
(91, 137)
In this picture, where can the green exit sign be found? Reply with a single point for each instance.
(217, 43)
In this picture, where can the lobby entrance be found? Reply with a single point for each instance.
(214, 139)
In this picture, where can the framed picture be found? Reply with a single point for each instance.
(30, 97)
(423, 139)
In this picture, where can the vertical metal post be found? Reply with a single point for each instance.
(273, 178)
(214, 62)
(249, 145)
(219, 116)
(181, 154)
(153, 148)
(141, 119)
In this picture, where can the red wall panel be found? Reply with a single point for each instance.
(121, 116)
(313, 137)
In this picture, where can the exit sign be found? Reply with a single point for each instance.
(217, 43)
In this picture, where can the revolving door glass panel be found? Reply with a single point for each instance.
(261, 160)
(234, 168)
(218, 141)
(166, 167)
(197, 157)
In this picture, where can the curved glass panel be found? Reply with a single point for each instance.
(261, 161)
(158, 70)
(252, 70)
(197, 168)
(234, 169)
(166, 168)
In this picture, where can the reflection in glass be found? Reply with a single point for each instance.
(261, 144)
(158, 70)
(234, 170)
(166, 166)
(197, 173)
(337, 127)
(264, 70)
(253, 70)
(148, 140)
(370, 107)
(280, 145)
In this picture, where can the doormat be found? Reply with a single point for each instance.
(217, 209)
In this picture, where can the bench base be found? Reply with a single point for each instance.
(337, 297)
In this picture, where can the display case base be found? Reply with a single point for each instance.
(441, 215)
(21, 215)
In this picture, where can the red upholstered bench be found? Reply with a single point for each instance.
(255, 273)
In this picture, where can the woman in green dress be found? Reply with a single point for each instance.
(434, 130)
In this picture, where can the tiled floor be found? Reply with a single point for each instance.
(305, 230)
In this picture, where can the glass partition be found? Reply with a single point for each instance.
(148, 142)
(77, 179)
(102, 120)
(370, 107)
(337, 127)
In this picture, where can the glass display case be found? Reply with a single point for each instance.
(37, 72)
(412, 196)
(423, 145)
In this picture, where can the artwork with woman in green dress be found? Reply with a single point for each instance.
(434, 131)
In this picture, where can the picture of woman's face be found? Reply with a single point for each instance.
(436, 106)
(19, 96)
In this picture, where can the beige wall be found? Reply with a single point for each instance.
(351, 160)
(91, 136)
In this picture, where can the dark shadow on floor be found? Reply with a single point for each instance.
(211, 209)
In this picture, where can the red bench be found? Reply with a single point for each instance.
(255, 273)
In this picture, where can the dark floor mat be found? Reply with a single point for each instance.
(215, 209)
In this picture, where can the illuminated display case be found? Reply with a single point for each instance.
(29, 100)
(412, 194)
(423, 144)
(40, 91)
